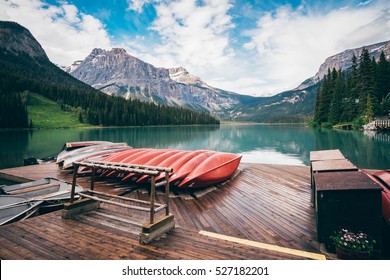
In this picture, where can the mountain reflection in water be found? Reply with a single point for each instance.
(276, 144)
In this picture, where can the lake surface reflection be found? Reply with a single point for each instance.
(276, 144)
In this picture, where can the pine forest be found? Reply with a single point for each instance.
(20, 73)
(356, 95)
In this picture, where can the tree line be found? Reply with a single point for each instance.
(20, 72)
(355, 95)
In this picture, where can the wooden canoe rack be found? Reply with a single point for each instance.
(92, 199)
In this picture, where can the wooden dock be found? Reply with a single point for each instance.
(264, 212)
(382, 124)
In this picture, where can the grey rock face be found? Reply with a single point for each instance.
(118, 73)
(343, 61)
(17, 39)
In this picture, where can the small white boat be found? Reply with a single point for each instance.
(15, 208)
(68, 162)
(48, 190)
(71, 146)
(63, 155)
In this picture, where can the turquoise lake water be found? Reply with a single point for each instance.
(275, 144)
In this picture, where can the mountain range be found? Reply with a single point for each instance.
(115, 72)
(26, 74)
(298, 104)
(118, 73)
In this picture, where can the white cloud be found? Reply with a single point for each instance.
(286, 47)
(63, 31)
(291, 44)
(242, 84)
(194, 36)
(138, 5)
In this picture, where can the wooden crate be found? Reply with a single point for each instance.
(347, 200)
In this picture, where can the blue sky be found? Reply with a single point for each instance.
(250, 47)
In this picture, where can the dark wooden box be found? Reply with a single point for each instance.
(348, 200)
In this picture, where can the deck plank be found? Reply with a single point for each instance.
(263, 203)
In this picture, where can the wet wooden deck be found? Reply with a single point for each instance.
(262, 213)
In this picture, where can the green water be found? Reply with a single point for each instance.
(278, 144)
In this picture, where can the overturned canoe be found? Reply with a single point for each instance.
(181, 173)
(120, 156)
(168, 162)
(116, 158)
(140, 156)
(103, 152)
(190, 169)
(154, 160)
(214, 169)
(70, 147)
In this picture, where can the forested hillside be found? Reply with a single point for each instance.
(20, 71)
(356, 95)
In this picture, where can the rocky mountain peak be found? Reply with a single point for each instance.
(17, 39)
(96, 52)
(343, 61)
(181, 75)
(116, 72)
(118, 51)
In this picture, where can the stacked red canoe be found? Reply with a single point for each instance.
(191, 169)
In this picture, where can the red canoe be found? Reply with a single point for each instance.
(108, 158)
(118, 157)
(216, 168)
(166, 162)
(150, 159)
(126, 158)
(186, 168)
(182, 160)
(383, 179)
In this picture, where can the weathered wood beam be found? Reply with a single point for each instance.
(151, 231)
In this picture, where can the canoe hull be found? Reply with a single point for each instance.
(215, 169)
(181, 173)
(68, 162)
(191, 169)
(66, 155)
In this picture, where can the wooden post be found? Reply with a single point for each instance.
(152, 194)
(76, 169)
(167, 193)
(93, 178)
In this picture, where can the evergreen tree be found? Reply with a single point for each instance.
(359, 92)
(369, 113)
(13, 112)
(383, 82)
(366, 83)
(325, 98)
(336, 107)
(352, 95)
(21, 72)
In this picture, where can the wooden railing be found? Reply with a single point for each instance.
(382, 123)
(152, 171)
